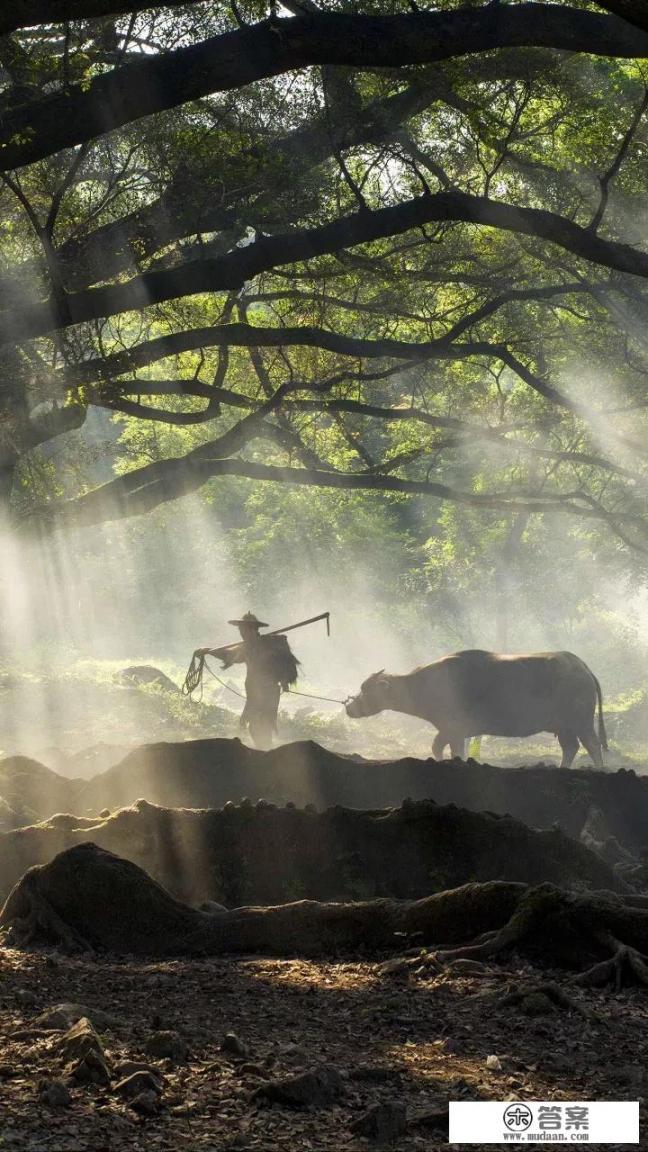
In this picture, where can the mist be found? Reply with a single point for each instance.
(80, 606)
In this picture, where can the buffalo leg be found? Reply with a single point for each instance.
(569, 744)
(458, 747)
(439, 745)
(592, 744)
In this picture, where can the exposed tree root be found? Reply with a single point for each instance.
(536, 906)
(552, 992)
(35, 919)
(561, 926)
(625, 962)
(87, 897)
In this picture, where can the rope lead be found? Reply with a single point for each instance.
(194, 680)
(194, 677)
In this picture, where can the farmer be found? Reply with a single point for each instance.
(270, 668)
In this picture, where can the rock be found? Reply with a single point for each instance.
(126, 1068)
(9, 817)
(186, 1108)
(63, 1016)
(213, 907)
(374, 1074)
(54, 1093)
(146, 675)
(232, 1046)
(138, 1083)
(434, 1117)
(105, 813)
(25, 997)
(254, 1070)
(399, 966)
(147, 1103)
(465, 967)
(79, 1041)
(382, 1124)
(240, 1141)
(630, 1074)
(557, 1062)
(316, 1088)
(92, 1069)
(493, 1063)
(167, 1045)
(537, 1004)
(294, 1054)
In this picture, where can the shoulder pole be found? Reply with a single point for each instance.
(194, 675)
(302, 624)
(288, 628)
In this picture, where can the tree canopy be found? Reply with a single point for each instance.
(352, 246)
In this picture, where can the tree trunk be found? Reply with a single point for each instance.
(504, 579)
(7, 473)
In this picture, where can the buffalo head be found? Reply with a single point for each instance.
(374, 696)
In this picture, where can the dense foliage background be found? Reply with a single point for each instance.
(376, 323)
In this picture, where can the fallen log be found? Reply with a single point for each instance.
(89, 898)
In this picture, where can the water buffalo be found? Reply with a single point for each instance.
(479, 693)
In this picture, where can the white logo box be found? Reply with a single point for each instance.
(544, 1122)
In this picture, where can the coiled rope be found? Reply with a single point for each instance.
(194, 676)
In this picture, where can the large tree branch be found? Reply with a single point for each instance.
(27, 13)
(122, 244)
(110, 394)
(159, 415)
(54, 421)
(240, 335)
(634, 11)
(145, 488)
(108, 369)
(388, 306)
(248, 336)
(270, 48)
(613, 171)
(233, 270)
(465, 432)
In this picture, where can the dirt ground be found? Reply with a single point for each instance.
(419, 1039)
(414, 1041)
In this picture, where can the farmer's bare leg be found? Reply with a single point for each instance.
(262, 728)
(262, 708)
(439, 745)
(458, 747)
